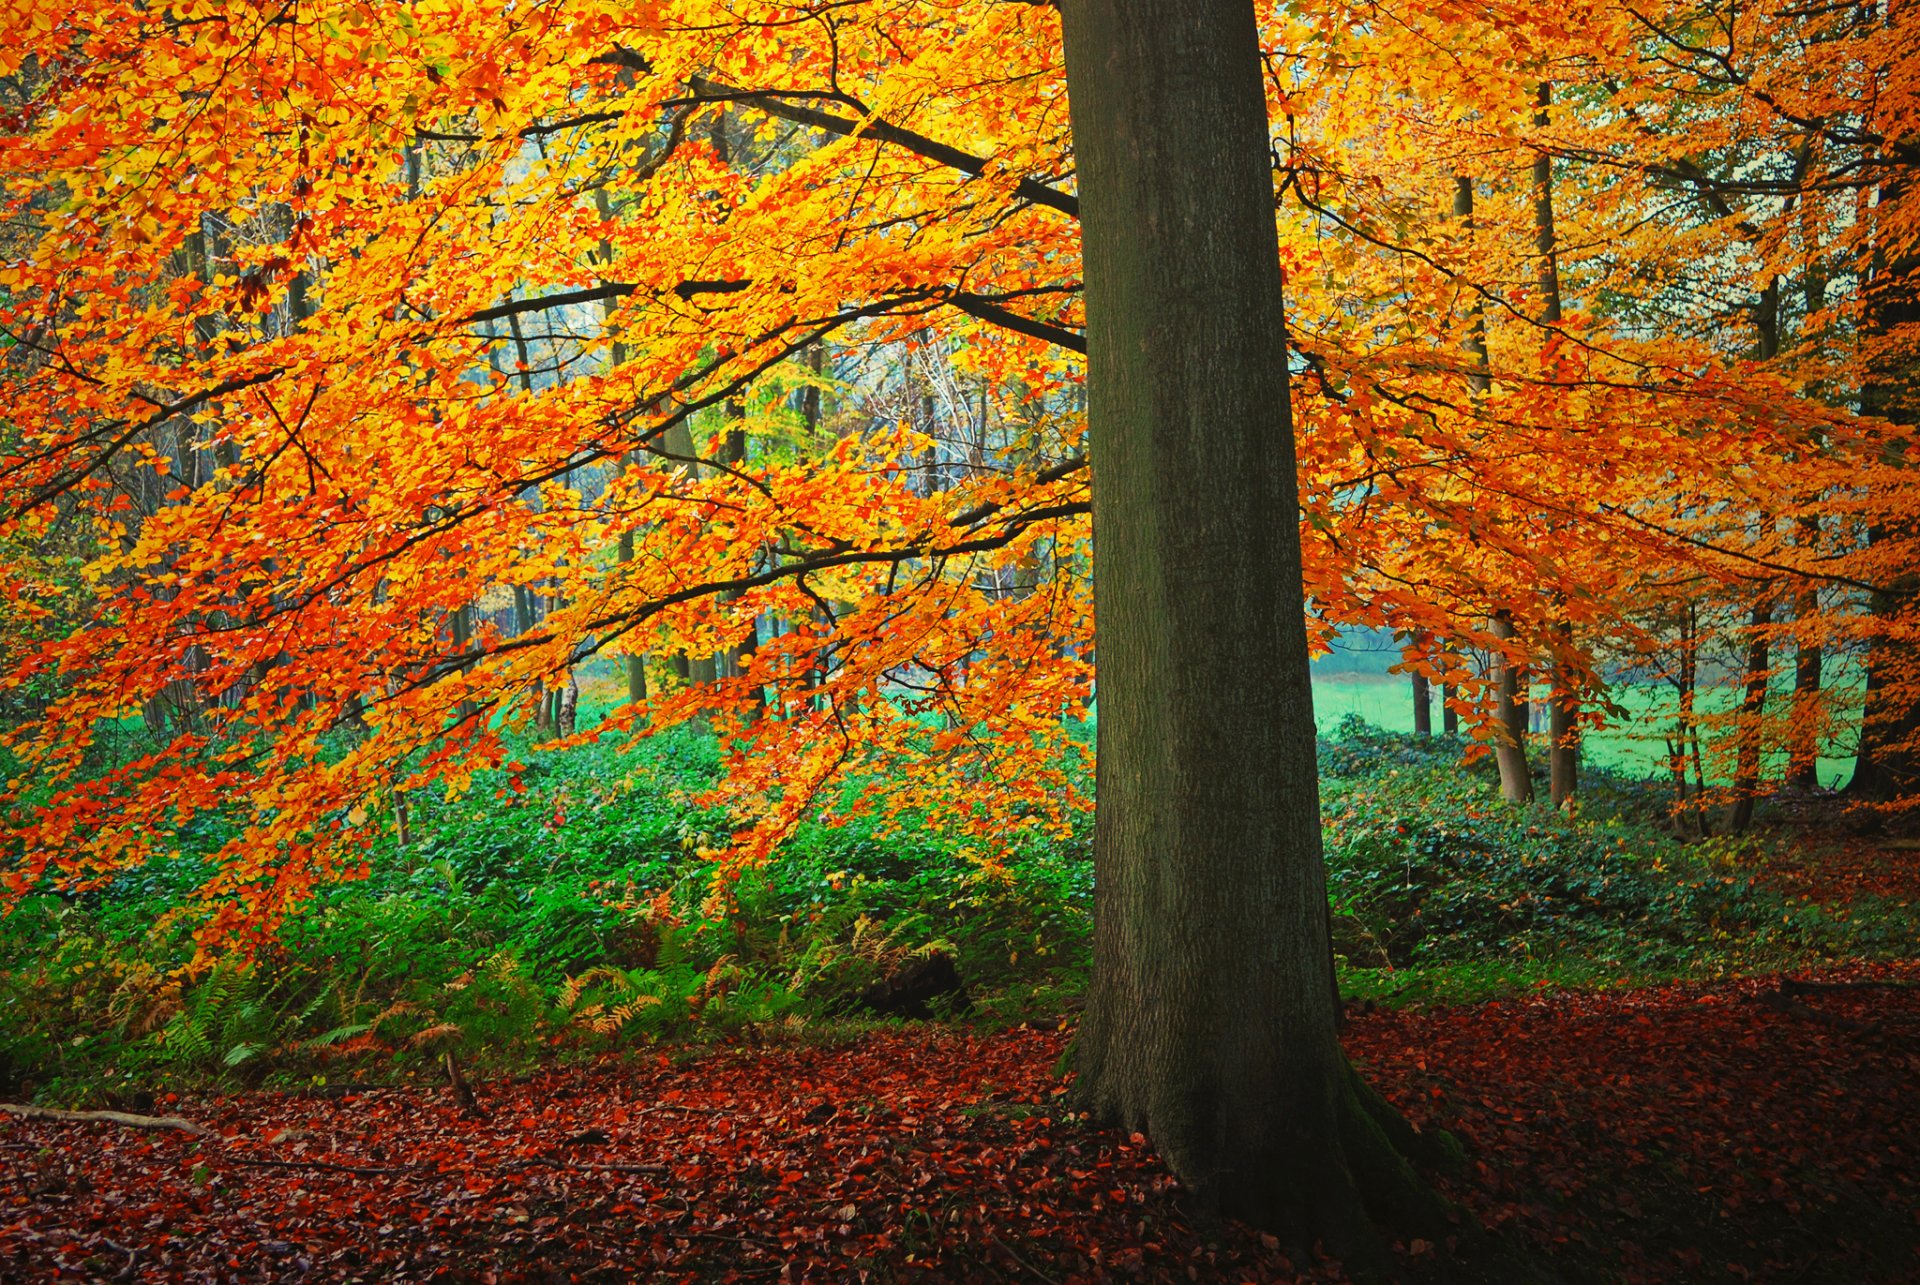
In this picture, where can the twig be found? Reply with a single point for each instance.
(133, 1258)
(554, 1162)
(327, 1165)
(1794, 986)
(655, 1170)
(1029, 1267)
(1781, 1002)
(107, 1117)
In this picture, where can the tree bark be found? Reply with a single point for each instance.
(1563, 709)
(1808, 661)
(1563, 727)
(1510, 746)
(1888, 765)
(1746, 771)
(1210, 1025)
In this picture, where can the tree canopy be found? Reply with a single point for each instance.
(371, 367)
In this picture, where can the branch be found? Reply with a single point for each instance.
(178, 1123)
(771, 101)
(167, 410)
(596, 294)
(986, 310)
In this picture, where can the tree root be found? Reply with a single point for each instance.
(1782, 1001)
(1794, 986)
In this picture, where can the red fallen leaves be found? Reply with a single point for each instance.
(1834, 876)
(924, 1154)
(1678, 1133)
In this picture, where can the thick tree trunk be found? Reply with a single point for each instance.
(1888, 765)
(1510, 747)
(1753, 701)
(1210, 1023)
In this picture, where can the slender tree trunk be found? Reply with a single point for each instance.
(1563, 708)
(636, 660)
(1210, 1023)
(1422, 692)
(1510, 747)
(460, 620)
(740, 659)
(1808, 661)
(1449, 716)
(1746, 772)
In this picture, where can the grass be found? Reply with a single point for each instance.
(1631, 747)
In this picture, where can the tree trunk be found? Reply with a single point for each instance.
(1746, 771)
(1510, 745)
(1480, 374)
(1210, 1025)
(1809, 658)
(1563, 709)
(1449, 716)
(1803, 734)
(1422, 692)
(460, 620)
(636, 660)
(1888, 765)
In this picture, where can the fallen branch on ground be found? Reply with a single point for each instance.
(1782, 1002)
(127, 1119)
(1793, 986)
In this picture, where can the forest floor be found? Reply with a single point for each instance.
(1680, 1132)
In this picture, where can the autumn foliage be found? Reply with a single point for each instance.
(370, 367)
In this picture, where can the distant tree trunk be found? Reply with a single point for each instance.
(738, 661)
(636, 660)
(1210, 1023)
(678, 444)
(1422, 691)
(460, 621)
(567, 706)
(1746, 772)
(1803, 748)
(1510, 748)
(1480, 376)
(1449, 716)
(1686, 729)
(1563, 698)
(1563, 735)
(1510, 745)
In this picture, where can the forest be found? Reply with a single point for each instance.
(960, 640)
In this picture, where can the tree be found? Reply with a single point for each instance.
(1210, 1024)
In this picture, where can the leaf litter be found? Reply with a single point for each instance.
(1681, 1132)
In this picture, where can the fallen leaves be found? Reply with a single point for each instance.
(1661, 1134)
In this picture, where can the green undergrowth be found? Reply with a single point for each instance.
(577, 917)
